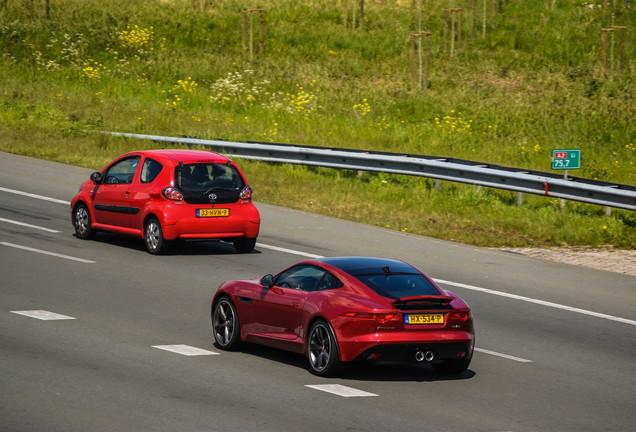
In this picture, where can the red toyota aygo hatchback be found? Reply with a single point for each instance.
(166, 195)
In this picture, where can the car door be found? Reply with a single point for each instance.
(111, 197)
(279, 311)
(145, 190)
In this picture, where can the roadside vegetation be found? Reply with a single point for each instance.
(519, 83)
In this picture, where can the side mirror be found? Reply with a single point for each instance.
(267, 280)
(96, 177)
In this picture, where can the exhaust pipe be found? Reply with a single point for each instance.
(421, 356)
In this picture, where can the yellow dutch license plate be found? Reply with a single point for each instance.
(213, 212)
(424, 319)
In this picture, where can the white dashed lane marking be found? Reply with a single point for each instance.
(185, 350)
(341, 390)
(43, 315)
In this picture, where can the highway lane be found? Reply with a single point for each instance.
(566, 370)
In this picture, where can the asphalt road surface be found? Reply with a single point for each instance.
(101, 336)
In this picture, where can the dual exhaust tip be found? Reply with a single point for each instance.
(424, 355)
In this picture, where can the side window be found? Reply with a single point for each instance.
(150, 170)
(307, 278)
(329, 281)
(123, 171)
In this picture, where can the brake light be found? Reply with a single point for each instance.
(461, 315)
(246, 193)
(379, 317)
(172, 194)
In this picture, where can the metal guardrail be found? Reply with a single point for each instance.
(454, 170)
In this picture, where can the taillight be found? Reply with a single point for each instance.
(172, 194)
(461, 315)
(246, 193)
(379, 317)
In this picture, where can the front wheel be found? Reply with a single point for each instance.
(452, 366)
(322, 350)
(82, 222)
(225, 325)
(153, 236)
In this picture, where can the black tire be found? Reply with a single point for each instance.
(452, 366)
(225, 325)
(244, 244)
(153, 236)
(82, 222)
(322, 350)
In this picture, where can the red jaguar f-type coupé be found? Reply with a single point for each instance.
(347, 309)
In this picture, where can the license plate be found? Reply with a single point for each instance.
(424, 319)
(213, 212)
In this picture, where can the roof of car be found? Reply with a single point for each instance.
(188, 156)
(368, 265)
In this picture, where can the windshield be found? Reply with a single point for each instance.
(395, 286)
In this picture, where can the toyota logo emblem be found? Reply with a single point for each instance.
(212, 197)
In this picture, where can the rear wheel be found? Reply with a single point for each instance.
(451, 366)
(153, 236)
(225, 324)
(322, 350)
(82, 222)
(244, 244)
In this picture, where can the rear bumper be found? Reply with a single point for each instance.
(408, 352)
(402, 346)
(244, 221)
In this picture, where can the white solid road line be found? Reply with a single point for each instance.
(506, 356)
(30, 195)
(29, 225)
(30, 249)
(289, 251)
(537, 301)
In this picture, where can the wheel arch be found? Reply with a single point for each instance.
(310, 324)
(81, 201)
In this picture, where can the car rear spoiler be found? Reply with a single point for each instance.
(424, 299)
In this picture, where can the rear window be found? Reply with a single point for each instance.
(200, 181)
(395, 286)
(203, 176)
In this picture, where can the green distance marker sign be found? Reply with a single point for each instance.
(566, 159)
